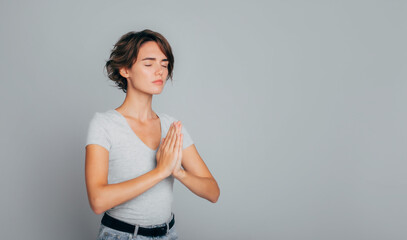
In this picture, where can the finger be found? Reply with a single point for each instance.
(178, 125)
(162, 144)
(179, 150)
(178, 132)
(181, 142)
(176, 157)
(178, 142)
(172, 138)
(168, 137)
(172, 135)
(172, 126)
(178, 165)
(176, 147)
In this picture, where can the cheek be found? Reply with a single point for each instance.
(144, 72)
(165, 72)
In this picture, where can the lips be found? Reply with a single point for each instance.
(158, 81)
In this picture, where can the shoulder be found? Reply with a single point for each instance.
(103, 118)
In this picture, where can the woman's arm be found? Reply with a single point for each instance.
(196, 175)
(103, 196)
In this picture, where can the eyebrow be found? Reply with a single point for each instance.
(150, 58)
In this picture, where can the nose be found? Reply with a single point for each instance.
(160, 71)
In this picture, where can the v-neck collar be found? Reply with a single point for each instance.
(131, 130)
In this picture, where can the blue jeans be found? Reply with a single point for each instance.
(106, 233)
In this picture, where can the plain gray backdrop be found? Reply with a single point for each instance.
(298, 109)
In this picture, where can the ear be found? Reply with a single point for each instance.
(124, 72)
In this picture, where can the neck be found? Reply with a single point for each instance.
(137, 105)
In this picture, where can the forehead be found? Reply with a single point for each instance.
(150, 49)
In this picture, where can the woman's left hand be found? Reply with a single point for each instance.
(178, 171)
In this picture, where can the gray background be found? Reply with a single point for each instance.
(297, 107)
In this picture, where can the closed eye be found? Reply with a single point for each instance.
(161, 65)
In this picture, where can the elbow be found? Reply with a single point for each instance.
(97, 201)
(97, 206)
(215, 197)
(214, 200)
(98, 211)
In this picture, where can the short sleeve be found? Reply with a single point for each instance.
(187, 140)
(97, 132)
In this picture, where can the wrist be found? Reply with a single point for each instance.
(161, 173)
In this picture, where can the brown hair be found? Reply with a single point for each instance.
(125, 51)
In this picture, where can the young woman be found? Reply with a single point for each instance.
(133, 154)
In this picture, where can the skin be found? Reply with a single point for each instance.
(186, 165)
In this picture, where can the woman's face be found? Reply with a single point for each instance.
(150, 66)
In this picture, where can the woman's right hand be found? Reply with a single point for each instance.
(167, 154)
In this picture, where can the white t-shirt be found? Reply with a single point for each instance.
(129, 158)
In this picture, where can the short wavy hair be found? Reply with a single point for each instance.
(125, 51)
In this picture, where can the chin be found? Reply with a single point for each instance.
(156, 92)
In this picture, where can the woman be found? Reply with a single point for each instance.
(133, 154)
